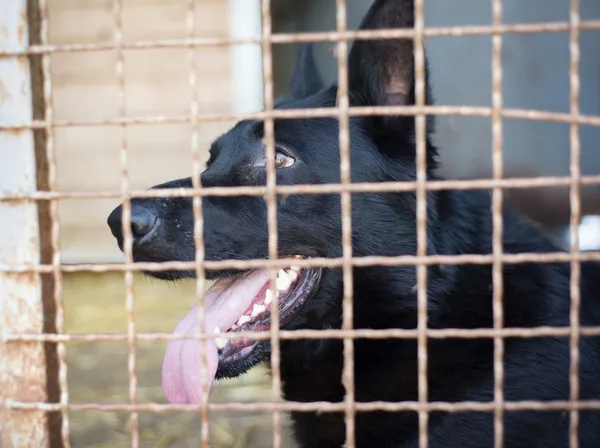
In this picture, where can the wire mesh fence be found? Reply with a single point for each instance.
(343, 112)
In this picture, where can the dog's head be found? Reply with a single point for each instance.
(380, 73)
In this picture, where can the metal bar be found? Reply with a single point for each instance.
(22, 375)
(57, 279)
(575, 201)
(458, 333)
(498, 225)
(370, 187)
(421, 219)
(332, 112)
(319, 406)
(401, 260)
(271, 198)
(343, 105)
(198, 221)
(282, 38)
(127, 235)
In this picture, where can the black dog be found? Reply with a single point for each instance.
(459, 222)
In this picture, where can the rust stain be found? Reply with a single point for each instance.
(23, 372)
(24, 88)
(3, 31)
(4, 92)
(23, 375)
(22, 313)
(10, 204)
(16, 133)
(23, 62)
(22, 32)
(34, 244)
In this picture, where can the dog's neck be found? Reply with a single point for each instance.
(458, 297)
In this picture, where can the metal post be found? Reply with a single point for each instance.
(22, 364)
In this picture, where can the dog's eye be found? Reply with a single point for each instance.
(283, 160)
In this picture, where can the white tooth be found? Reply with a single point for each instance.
(268, 297)
(257, 309)
(284, 281)
(293, 275)
(294, 268)
(221, 343)
(244, 319)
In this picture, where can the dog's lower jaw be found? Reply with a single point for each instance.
(259, 355)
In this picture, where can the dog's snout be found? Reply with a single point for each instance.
(143, 222)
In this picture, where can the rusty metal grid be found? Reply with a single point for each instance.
(420, 186)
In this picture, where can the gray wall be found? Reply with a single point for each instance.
(536, 76)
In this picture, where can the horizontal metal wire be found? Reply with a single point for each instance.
(318, 406)
(325, 36)
(331, 112)
(393, 333)
(359, 187)
(371, 260)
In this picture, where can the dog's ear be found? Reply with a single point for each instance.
(381, 72)
(305, 79)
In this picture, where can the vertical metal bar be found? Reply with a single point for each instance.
(421, 196)
(22, 375)
(575, 201)
(198, 220)
(54, 225)
(497, 233)
(271, 198)
(346, 208)
(127, 236)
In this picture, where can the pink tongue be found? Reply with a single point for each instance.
(226, 301)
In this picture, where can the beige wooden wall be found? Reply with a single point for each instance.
(156, 83)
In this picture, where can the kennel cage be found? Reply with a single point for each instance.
(544, 69)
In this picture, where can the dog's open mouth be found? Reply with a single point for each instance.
(293, 287)
(238, 303)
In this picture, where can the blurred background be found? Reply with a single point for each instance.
(536, 76)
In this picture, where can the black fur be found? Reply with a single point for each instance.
(459, 222)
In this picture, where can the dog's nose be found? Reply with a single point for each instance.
(143, 222)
